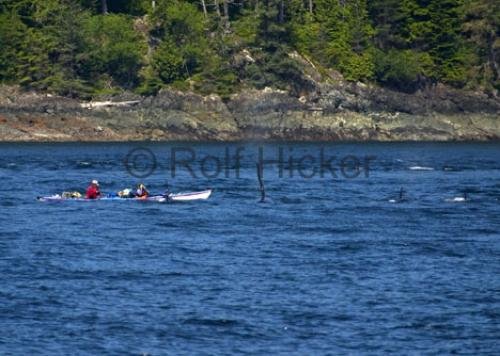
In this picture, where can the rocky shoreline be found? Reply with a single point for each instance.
(338, 111)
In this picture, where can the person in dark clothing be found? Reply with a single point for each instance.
(141, 191)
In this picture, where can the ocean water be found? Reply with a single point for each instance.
(331, 263)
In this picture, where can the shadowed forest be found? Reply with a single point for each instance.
(88, 47)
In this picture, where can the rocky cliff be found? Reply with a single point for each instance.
(329, 111)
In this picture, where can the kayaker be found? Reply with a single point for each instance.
(141, 191)
(93, 191)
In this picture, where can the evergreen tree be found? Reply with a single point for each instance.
(482, 31)
(12, 35)
(48, 56)
(339, 35)
(85, 47)
(113, 49)
(447, 47)
(390, 19)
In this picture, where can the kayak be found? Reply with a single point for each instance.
(201, 195)
(57, 197)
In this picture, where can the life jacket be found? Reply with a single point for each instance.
(142, 193)
(92, 192)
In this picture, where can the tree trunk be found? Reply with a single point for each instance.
(493, 57)
(153, 4)
(226, 16)
(281, 16)
(226, 9)
(311, 6)
(217, 9)
(104, 6)
(204, 6)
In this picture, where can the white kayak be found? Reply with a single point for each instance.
(201, 195)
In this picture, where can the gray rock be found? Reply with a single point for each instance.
(333, 111)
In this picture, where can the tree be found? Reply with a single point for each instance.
(217, 8)
(114, 49)
(70, 47)
(104, 6)
(482, 31)
(204, 7)
(391, 19)
(183, 48)
(273, 32)
(403, 70)
(12, 35)
(48, 58)
(446, 45)
(168, 63)
(338, 35)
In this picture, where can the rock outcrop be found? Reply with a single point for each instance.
(332, 111)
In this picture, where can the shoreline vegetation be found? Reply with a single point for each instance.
(226, 70)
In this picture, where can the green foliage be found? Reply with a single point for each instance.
(183, 46)
(306, 35)
(219, 80)
(113, 48)
(273, 33)
(180, 21)
(12, 33)
(481, 29)
(46, 56)
(71, 48)
(275, 70)
(130, 7)
(357, 67)
(168, 62)
(390, 19)
(247, 27)
(273, 41)
(339, 36)
(426, 36)
(446, 45)
(151, 83)
(402, 69)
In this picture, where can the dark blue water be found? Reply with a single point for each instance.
(326, 266)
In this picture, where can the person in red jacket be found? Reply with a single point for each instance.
(93, 191)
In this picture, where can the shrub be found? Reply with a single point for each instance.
(403, 69)
(113, 48)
